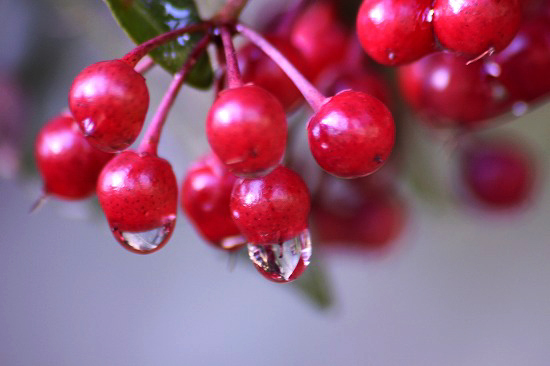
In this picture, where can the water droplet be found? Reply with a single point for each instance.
(391, 55)
(282, 262)
(519, 109)
(146, 242)
(492, 68)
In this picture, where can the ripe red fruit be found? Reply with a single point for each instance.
(395, 32)
(448, 93)
(320, 36)
(246, 128)
(205, 195)
(271, 209)
(359, 78)
(362, 213)
(259, 69)
(109, 100)
(498, 173)
(474, 26)
(68, 164)
(351, 135)
(523, 67)
(138, 193)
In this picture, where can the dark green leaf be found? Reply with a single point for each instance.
(314, 286)
(145, 19)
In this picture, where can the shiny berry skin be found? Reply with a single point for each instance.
(351, 135)
(440, 85)
(395, 32)
(498, 173)
(474, 26)
(259, 69)
(246, 128)
(138, 192)
(271, 209)
(68, 164)
(320, 36)
(524, 66)
(109, 100)
(205, 195)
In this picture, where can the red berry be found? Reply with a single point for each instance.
(498, 173)
(395, 32)
(138, 194)
(205, 195)
(358, 213)
(320, 36)
(109, 100)
(360, 78)
(271, 209)
(69, 165)
(449, 93)
(259, 69)
(474, 26)
(524, 66)
(246, 128)
(351, 135)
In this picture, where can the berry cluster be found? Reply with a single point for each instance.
(246, 191)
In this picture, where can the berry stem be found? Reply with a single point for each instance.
(143, 49)
(151, 139)
(232, 68)
(313, 96)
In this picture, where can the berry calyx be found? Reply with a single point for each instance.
(205, 196)
(246, 128)
(475, 27)
(109, 100)
(271, 209)
(351, 135)
(68, 164)
(498, 173)
(395, 32)
(138, 193)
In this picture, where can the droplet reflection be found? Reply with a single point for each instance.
(282, 262)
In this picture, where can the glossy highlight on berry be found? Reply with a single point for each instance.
(351, 135)
(271, 209)
(138, 194)
(246, 128)
(68, 164)
(205, 195)
(109, 100)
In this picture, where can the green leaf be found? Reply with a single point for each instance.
(313, 284)
(145, 19)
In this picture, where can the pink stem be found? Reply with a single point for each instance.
(151, 139)
(145, 65)
(143, 49)
(314, 98)
(232, 68)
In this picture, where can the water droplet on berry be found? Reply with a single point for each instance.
(391, 55)
(282, 262)
(146, 242)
